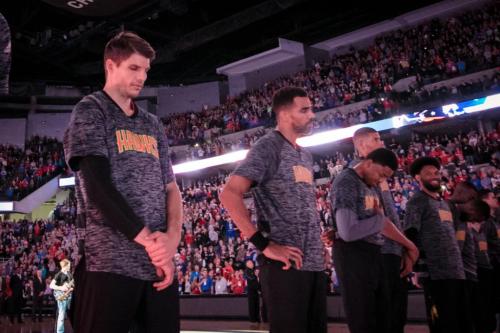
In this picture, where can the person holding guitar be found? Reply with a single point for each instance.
(63, 285)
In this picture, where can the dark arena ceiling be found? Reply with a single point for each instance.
(61, 41)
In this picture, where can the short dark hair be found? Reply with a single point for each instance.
(464, 192)
(421, 162)
(284, 97)
(475, 210)
(384, 157)
(126, 43)
(483, 194)
(362, 132)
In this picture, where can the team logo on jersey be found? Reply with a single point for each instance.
(460, 235)
(130, 141)
(302, 174)
(371, 201)
(445, 216)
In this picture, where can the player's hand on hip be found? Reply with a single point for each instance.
(285, 254)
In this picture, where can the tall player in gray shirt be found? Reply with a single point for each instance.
(366, 140)
(279, 174)
(429, 223)
(361, 222)
(129, 205)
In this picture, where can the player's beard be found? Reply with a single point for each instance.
(430, 187)
(303, 130)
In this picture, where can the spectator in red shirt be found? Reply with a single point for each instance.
(238, 283)
(227, 270)
(188, 238)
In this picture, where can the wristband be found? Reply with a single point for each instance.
(259, 241)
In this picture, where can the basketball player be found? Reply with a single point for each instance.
(128, 202)
(279, 174)
(429, 223)
(362, 225)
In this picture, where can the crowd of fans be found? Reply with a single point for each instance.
(211, 242)
(24, 170)
(416, 94)
(29, 248)
(212, 257)
(457, 154)
(436, 50)
(382, 108)
(213, 251)
(433, 51)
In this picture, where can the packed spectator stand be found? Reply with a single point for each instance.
(22, 171)
(434, 51)
(211, 256)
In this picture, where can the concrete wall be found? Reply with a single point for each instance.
(345, 109)
(188, 98)
(236, 307)
(241, 82)
(16, 131)
(64, 91)
(237, 84)
(224, 91)
(313, 55)
(405, 83)
(13, 131)
(47, 124)
(147, 105)
(256, 79)
(461, 79)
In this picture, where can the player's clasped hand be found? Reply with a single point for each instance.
(161, 249)
(167, 273)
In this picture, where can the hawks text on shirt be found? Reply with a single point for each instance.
(127, 140)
